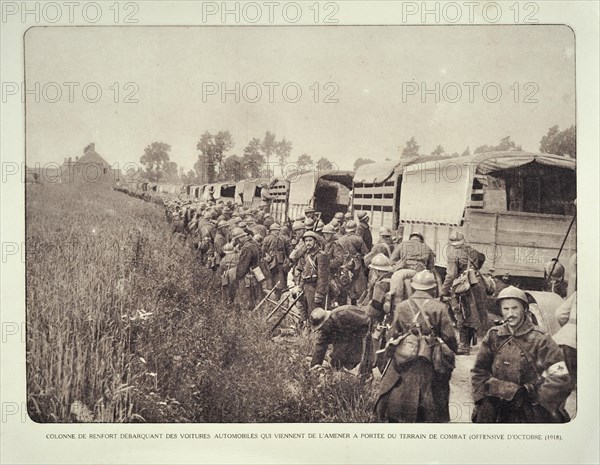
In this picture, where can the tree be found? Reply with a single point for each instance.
(506, 144)
(212, 149)
(438, 152)
(253, 160)
(283, 149)
(361, 161)
(189, 178)
(560, 142)
(323, 164)
(268, 145)
(155, 158)
(170, 173)
(232, 169)
(303, 162)
(411, 149)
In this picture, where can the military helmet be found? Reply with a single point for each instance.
(249, 219)
(207, 215)
(309, 223)
(381, 262)
(339, 216)
(512, 292)
(298, 225)
(222, 224)
(318, 317)
(423, 281)
(335, 224)
(456, 238)
(275, 227)
(350, 226)
(238, 232)
(348, 216)
(559, 269)
(228, 248)
(363, 217)
(417, 234)
(328, 229)
(285, 230)
(319, 226)
(310, 234)
(268, 222)
(384, 231)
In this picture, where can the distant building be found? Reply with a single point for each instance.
(90, 168)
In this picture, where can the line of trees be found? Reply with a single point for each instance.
(262, 157)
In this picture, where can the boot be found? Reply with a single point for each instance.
(463, 343)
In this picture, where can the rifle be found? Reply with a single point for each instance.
(366, 361)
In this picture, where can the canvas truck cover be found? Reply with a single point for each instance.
(438, 191)
(375, 173)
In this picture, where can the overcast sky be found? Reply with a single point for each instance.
(367, 64)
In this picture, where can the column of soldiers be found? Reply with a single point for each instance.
(366, 300)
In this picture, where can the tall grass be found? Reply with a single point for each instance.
(123, 326)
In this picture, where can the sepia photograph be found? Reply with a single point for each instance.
(300, 224)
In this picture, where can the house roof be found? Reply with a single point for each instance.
(91, 156)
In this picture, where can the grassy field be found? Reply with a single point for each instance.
(123, 327)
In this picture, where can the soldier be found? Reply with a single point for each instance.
(520, 374)
(344, 328)
(275, 253)
(309, 213)
(227, 270)
(469, 307)
(364, 230)
(554, 277)
(254, 227)
(314, 274)
(412, 390)
(355, 249)
(220, 240)
(384, 245)
(335, 252)
(410, 257)
(248, 287)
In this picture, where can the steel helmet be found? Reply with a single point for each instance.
(456, 238)
(417, 234)
(309, 223)
(249, 219)
(318, 317)
(423, 281)
(268, 222)
(350, 226)
(328, 229)
(384, 231)
(512, 292)
(558, 272)
(237, 233)
(285, 230)
(381, 262)
(275, 227)
(319, 226)
(228, 248)
(348, 216)
(362, 216)
(335, 223)
(207, 215)
(339, 216)
(310, 234)
(298, 225)
(222, 224)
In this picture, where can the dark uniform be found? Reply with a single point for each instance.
(507, 381)
(364, 232)
(276, 248)
(345, 329)
(469, 308)
(355, 249)
(248, 286)
(413, 392)
(227, 271)
(314, 279)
